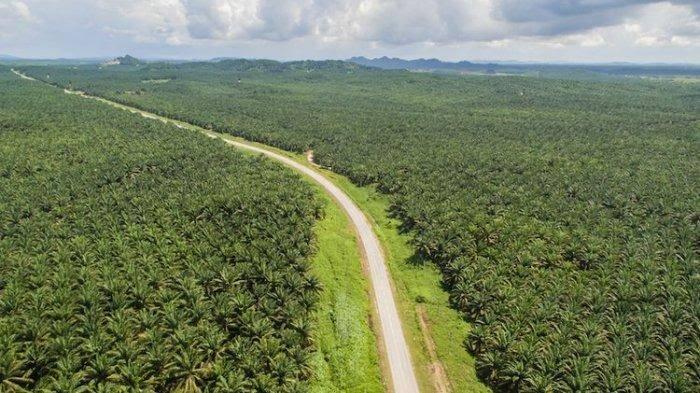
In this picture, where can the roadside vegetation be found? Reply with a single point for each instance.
(562, 214)
(434, 330)
(135, 256)
(346, 357)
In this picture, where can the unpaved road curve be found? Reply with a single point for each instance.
(403, 378)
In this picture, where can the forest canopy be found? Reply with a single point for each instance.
(135, 256)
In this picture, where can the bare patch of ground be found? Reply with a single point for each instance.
(437, 371)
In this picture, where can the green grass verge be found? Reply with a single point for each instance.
(346, 360)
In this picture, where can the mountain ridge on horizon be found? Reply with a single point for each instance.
(516, 62)
(430, 61)
(614, 69)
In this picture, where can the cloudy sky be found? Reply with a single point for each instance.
(529, 30)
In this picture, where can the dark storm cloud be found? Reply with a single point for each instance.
(542, 10)
(557, 17)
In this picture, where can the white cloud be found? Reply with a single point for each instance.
(664, 24)
(388, 21)
(144, 21)
(397, 22)
(219, 19)
(21, 10)
(432, 26)
(14, 17)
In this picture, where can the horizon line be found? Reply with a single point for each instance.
(6, 57)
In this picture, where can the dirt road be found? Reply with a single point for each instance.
(403, 378)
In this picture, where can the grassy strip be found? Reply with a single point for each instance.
(346, 359)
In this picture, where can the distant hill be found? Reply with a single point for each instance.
(224, 58)
(536, 69)
(420, 64)
(124, 60)
(247, 65)
(303, 65)
(8, 57)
